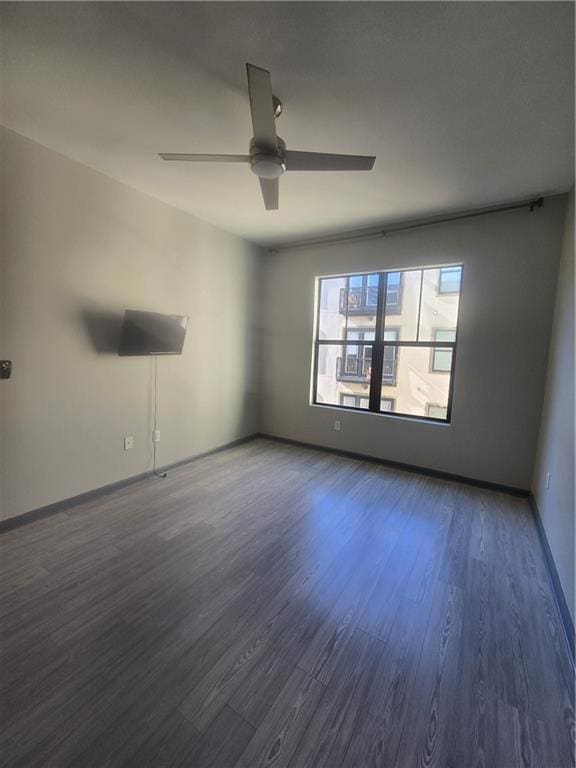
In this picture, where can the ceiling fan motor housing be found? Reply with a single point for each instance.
(266, 163)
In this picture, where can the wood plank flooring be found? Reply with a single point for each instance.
(277, 606)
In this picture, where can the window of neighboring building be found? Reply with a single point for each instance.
(354, 401)
(436, 411)
(359, 294)
(390, 358)
(357, 360)
(378, 345)
(450, 279)
(394, 293)
(442, 357)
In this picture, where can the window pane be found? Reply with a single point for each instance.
(344, 371)
(402, 303)
(439, 309)
(386, 405)
(414, 385)
(331, 320)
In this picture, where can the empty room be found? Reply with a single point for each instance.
(287, 385)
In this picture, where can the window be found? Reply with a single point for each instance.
(362, 402)
(356, 362)
(354, 401)
(359, 296)
(386, 341)
(390, 358)
(436, 411)
(394, 293)
(450, 278)
(442, 357)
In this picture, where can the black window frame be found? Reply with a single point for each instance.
(379, 344)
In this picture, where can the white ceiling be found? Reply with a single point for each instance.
(464, 104)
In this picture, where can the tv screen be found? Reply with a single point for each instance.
(149, 333)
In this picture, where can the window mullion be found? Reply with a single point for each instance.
(419, 305)
(378, 348)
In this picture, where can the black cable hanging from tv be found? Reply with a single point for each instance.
(154, 470)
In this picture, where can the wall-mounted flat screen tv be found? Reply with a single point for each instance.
(149, 333)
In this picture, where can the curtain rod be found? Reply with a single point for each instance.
(535, 202)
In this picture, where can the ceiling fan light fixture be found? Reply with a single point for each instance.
(268, 166)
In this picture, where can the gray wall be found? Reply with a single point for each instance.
(510, 267)
(556, 441)
(77, 249)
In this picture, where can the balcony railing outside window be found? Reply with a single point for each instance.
(363, 300)
(353, 368)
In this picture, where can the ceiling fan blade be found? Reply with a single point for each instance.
(270, 189)
(320, 161)
(262, 107)
(205, 158)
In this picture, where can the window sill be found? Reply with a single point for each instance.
(397, 416)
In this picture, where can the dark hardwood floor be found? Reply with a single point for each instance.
(278, 606)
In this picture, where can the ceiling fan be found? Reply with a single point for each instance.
(268, 156)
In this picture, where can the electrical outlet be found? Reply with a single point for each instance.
(156, 436)
(337, 425)
(547, 481)
(128, 442)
